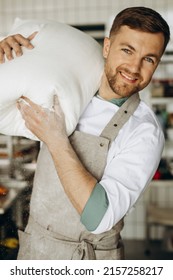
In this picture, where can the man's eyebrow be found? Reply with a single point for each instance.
(128, 46)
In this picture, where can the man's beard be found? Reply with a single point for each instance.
(118, 86)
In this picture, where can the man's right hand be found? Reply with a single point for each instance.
(14, 43)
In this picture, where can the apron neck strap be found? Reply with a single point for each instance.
(121, 117)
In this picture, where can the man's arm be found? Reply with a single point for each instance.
(50, 128)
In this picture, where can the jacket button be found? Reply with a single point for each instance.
(101, 144)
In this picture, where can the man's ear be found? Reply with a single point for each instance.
(106, 47)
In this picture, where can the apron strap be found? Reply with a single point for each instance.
(121, 117)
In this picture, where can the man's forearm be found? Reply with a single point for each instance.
(77, 182)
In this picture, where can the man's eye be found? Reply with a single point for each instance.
(126, 51)
(149, 59)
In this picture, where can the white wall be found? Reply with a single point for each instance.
(71, 11)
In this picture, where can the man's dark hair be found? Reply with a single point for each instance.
(144, 19)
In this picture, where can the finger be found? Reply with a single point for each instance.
(32, 36)
(27, 100)
(28, 115)
(25, 109)
(2, 59)
(7, 50)
(20, 107)
(57, 107)
(56, 104)
(17, 48)
(37, 108)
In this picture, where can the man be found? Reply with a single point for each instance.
(85, 184)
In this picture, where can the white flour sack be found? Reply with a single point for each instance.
(64, 61)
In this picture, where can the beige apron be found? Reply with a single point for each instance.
(54, 230)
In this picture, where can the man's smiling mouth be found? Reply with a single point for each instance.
(127, 77)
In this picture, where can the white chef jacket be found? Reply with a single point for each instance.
(132, 158)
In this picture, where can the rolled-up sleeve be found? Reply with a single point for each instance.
(95, 208)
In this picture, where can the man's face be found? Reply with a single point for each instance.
(131, 57)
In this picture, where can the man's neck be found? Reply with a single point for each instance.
(105, 91)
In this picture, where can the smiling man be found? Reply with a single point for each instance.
(132, 56)
(86, 183)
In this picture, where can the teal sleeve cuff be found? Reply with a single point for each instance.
(95, 208)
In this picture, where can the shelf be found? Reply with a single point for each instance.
(167, 59)
(161, 100)
(168, 149)
(161, 183)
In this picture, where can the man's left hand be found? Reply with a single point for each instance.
(47, 125)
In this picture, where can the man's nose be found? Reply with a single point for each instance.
(135, 65)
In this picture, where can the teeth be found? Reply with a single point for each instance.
(127, 77)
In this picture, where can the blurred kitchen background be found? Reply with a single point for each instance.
(148, 231)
